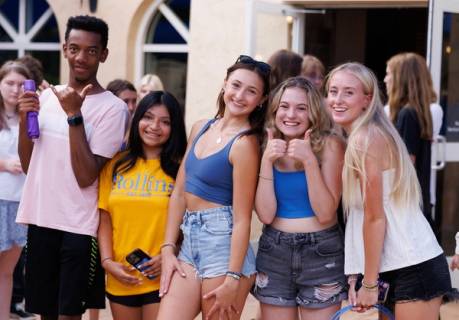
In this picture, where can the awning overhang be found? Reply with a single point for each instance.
(359, 3)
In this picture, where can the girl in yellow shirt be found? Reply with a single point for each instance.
(134, 192)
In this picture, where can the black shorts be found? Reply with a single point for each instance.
(423, 281)
(136, 300)
(63, 273)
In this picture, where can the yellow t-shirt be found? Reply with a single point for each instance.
(137, 202)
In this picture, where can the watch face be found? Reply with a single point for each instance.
(75, 120)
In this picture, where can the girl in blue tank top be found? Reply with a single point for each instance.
(300, 260)
(212, 204)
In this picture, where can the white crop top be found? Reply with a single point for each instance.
(409, 240)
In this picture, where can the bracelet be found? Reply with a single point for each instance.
(168, 244)
(370, 287)
(234, 275)
(265, 178)
(105, 259)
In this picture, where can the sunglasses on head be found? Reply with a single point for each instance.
(262, 66)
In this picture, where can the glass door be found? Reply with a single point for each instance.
(443, 57)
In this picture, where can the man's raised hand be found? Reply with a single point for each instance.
(70, 100)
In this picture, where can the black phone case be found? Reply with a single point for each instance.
(136, 258)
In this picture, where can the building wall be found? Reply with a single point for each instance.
(218, 34)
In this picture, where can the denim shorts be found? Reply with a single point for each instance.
(301, 269)
(423, 281)
(207, 242)
(11, 233)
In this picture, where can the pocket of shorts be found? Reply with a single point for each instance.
(265, 243)
(330, 248)
(219, 227)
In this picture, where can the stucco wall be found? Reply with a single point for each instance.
(218, 34)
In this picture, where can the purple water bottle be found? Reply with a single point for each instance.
(33, 131)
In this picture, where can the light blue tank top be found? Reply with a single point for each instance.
(292, 196)
(210, 178)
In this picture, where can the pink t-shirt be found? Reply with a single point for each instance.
(51, 196)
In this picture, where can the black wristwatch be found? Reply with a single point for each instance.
(74, 121)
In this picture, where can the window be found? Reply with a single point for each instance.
(164, 44)
(29, 26)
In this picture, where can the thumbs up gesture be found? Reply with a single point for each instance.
(275, 148)
(300, 149)
(70, 99)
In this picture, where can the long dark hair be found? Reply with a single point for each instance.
(172, 151)
(257, 116)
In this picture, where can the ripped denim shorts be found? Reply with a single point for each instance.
(301, 269)
(207, 242)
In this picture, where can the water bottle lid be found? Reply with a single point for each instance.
(29, 85)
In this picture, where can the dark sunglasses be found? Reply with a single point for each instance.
(262, 66)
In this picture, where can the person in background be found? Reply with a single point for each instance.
(284, 64)
(134, 216)
(81, 127)
(35, 68)
(313, 70)
(388, 240)
(410, 95)
(149, 82)
(126, 91)
(12, 235)
(212, 204)
(455, 259)
(436, 112)
(300, 260)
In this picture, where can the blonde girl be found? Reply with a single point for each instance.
(387, 237)
(300, 260)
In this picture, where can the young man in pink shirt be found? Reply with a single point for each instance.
(81, 127)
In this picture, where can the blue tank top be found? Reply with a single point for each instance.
(210, 178)
(291, 189)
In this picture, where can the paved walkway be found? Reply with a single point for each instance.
(447, 312)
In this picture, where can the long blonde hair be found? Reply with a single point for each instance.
(320, 122)
(405, 189)
(411, 87)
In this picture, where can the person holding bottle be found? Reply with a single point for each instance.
(12, 235)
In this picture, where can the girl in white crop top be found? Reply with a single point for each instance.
(387, 236)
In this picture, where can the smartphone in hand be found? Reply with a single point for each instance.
(383, 290)
(138, 257)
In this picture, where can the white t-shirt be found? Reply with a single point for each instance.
(10, 184)
(52, 197)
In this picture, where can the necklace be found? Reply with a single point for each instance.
(220, 138)
(10, 116)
